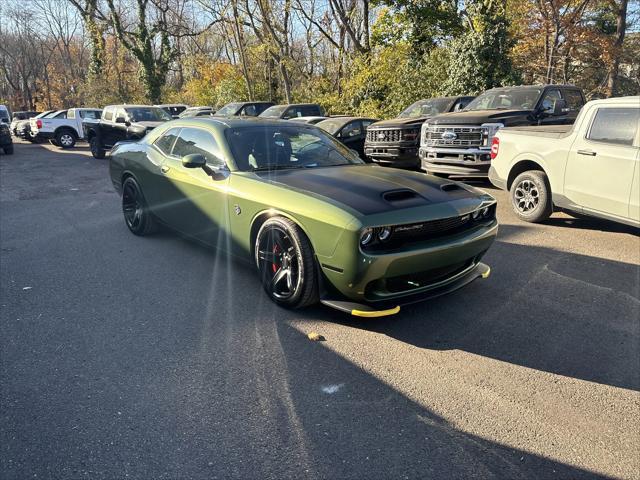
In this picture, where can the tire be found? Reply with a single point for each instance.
(531, 196)
(137, 216)
(54, 142)
(285, 260)
(96, 149)
(8, 150)
(65, 139)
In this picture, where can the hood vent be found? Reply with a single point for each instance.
(399, 195)
(450, 187)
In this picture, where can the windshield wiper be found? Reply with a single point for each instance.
(274, 167)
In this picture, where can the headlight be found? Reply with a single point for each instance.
(475, 214)
(485, 212)
(366, 237)
(384, 233)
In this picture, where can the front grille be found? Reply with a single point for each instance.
(380, 135)
(419, 232)
(451, 136)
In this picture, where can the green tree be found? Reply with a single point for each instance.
(479, 58)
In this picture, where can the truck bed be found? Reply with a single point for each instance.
(546, 131)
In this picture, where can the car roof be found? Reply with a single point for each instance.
(126, 105)
(236, 122)
(344, 119)
(616, 101)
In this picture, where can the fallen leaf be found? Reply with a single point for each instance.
(315, 337)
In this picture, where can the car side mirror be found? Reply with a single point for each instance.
(120, 120)
(560, 107)
(194, 160)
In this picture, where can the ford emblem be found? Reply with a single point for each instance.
(449, 135)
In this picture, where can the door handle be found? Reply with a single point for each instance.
(164, 169)
(589, 153)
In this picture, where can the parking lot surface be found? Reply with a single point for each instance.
(159, 358)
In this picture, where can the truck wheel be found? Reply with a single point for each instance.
(54, 142)
(8, 150)
(65, 139)
(531, 196)
(96, 149)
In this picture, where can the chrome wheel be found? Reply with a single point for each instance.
(526, 196)
(131, 205)
(66, 140)
(279, 263)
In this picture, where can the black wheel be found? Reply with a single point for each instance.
(96, 149)
(8, 150)
(134, 207)
(65, 139)
(286, 263)
(531, 196)
(54, 142)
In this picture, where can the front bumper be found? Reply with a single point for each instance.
(390, 307)
(417, 272)
(393, 155)
(473, 162)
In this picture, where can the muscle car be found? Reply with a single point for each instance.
(317, 222)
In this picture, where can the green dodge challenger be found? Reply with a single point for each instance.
(319, 223)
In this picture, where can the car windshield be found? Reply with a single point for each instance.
(274, 112)
(147, 114)
(331, 125)
(506, 99)
(276, 148)
(426, 108)
(228, 109)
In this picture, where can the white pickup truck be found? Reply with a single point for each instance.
(64, 128)
(590, 168)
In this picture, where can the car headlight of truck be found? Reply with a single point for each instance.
(488, 131)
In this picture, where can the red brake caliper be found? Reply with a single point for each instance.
(275, 266)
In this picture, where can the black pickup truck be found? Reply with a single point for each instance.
(121, 122)
(395, 142)
(460, 143)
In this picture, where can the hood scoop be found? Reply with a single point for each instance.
(450, 187)
(403, 197)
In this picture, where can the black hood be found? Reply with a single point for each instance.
(478, 117)
(399, 122)
(370, 189)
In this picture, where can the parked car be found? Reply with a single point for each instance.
(122, 122)
(349, 130)
(6, 142)
(5, 114)
(309, 120)
(592, 168)
(459, 143)
(318, 223)
(197, 112)
(23, 127)
(287, 112)
(64, 130)
(19, 117)
(247, 109)
(173, 109)
(36, 123)
(395, 142)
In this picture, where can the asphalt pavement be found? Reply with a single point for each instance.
(128, 357)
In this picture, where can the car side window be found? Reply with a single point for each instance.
(108, 114)
(616, 126)
(310, 111)
(249, 110)
(91, 114)
(165, 142)
(292, 113)
(120, 113)
(351, 130)
(549, 99)
(574, 100)
(197, 140)
(71, 114)
(61, 115)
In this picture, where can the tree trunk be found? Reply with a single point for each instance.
(621, 25)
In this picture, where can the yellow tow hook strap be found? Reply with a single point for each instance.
(487, 273)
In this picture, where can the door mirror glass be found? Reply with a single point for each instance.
(194, 160)
(560, 107)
